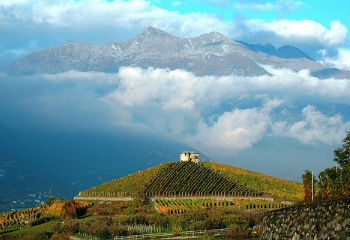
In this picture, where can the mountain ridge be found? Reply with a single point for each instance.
(286, 51)
(207, 54)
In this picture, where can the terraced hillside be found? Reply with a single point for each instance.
(187, 179)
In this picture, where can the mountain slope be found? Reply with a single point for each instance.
(151, 48)
(207, 54)
(191, 179)
(282, 52)
(331, 72)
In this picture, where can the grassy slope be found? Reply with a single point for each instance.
(260, 182)
(130, 184)
(29, 231)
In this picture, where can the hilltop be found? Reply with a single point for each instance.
(188, 179)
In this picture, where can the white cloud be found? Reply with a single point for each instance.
(233, 131)
(303, 31)
(277, 6)
(92, 15)
(179, 104)
(303, 83)
(182, 90)
(12, 2)
(142, 87)
(341, 60)
(314, 128)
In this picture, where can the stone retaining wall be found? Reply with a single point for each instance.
(107, 199)
(328, 220)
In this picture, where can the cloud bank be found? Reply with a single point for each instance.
(188, 107)
(179, 89)
(219, 116)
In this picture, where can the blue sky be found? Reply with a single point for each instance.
(322, 11)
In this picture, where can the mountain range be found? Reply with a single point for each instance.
(208, 54)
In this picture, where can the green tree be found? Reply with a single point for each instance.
(342, 157)
(330, 183)
(335, 182)
(50, 200)
(342, 154)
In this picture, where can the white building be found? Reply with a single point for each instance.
(189, 156)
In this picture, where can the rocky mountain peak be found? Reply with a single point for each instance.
(153, 32)
(213, 37)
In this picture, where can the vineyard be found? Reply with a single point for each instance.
(193, 179)
(188, 179)
(184, 205)
(130, 185)
(259, 182)
(14, 219)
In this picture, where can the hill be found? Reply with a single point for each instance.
(202, 179)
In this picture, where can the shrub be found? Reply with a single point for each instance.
(43, 236)
(176, 229)
(50, 200)
(60, 237)
(237, 232)
(39, 221)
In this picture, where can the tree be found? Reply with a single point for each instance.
(342, 157)
(342, 154)
(307, 176)
(50, 200)
(330, 183)
(335, 182)
(346, 179)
